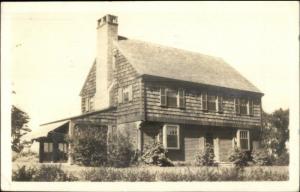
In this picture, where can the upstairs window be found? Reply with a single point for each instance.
(88, 104)
(243, 106)
(212, 103)
(243, 138)
(172, 97)
(125, 94)
(171, 136)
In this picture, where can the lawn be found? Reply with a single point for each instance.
(66, 172)
(153, 173)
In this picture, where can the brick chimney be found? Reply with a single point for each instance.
(107, 33)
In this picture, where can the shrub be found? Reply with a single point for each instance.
(121, 152)
(44, 173)
(261, 157)
(156, 155)
(206, 157)
(53, 173)
(240, 158)
(23, 174)
(283, 159)
(90, 146)
(27, 156)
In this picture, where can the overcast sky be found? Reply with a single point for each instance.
(52, 45)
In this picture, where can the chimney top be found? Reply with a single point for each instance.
(111, 19)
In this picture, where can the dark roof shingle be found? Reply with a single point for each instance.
(157, 60)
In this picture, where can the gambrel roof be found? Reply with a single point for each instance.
(162, 61)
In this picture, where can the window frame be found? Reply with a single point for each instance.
(180, 97)
(249, 106)
(239, 139)
(165, 144)
(218, 101)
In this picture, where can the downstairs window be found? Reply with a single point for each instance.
(171, 136)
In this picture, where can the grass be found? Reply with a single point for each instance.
(181, 173)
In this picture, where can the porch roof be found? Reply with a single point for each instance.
(43, 130)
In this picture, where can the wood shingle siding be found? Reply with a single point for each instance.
(193, 109)
(126, 75)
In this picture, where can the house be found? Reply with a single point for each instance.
(180, 98)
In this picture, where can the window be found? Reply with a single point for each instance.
(171, 136)
(48, 147)
(125, 94)
(244, 106)
(243, 138)
(63, 147)
(172, 97)
(212, 102)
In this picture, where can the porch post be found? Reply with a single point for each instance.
(139, 135)
(70, 150)
(41, 151)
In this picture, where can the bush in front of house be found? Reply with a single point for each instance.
(90, 146)
(282, 160)
(240, 158)
(155, 154)
(120, 152)
(261, 157)
(206, 157)
(24, 174)
(28, 156)
(53, 173)
(43, 173)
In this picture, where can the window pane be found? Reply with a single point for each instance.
(172, 98)
(244, 103)
(211, 103)
(172, 136)
(61, 147)
(50, 147)
(126, 96)
(172, 141)
(46, 147)
(244, 143)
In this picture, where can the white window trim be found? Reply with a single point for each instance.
(238, 139)
(165, 136)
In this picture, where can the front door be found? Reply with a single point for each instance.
(213, 141)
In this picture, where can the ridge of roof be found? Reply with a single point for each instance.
(155, 59)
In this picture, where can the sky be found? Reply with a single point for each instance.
(50, 47)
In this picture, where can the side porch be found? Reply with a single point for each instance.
(54, 137)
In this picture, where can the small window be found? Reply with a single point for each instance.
(243, 139)
(171, 137)
(125, 94)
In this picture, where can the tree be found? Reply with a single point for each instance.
(19, 120)
(275, 132)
